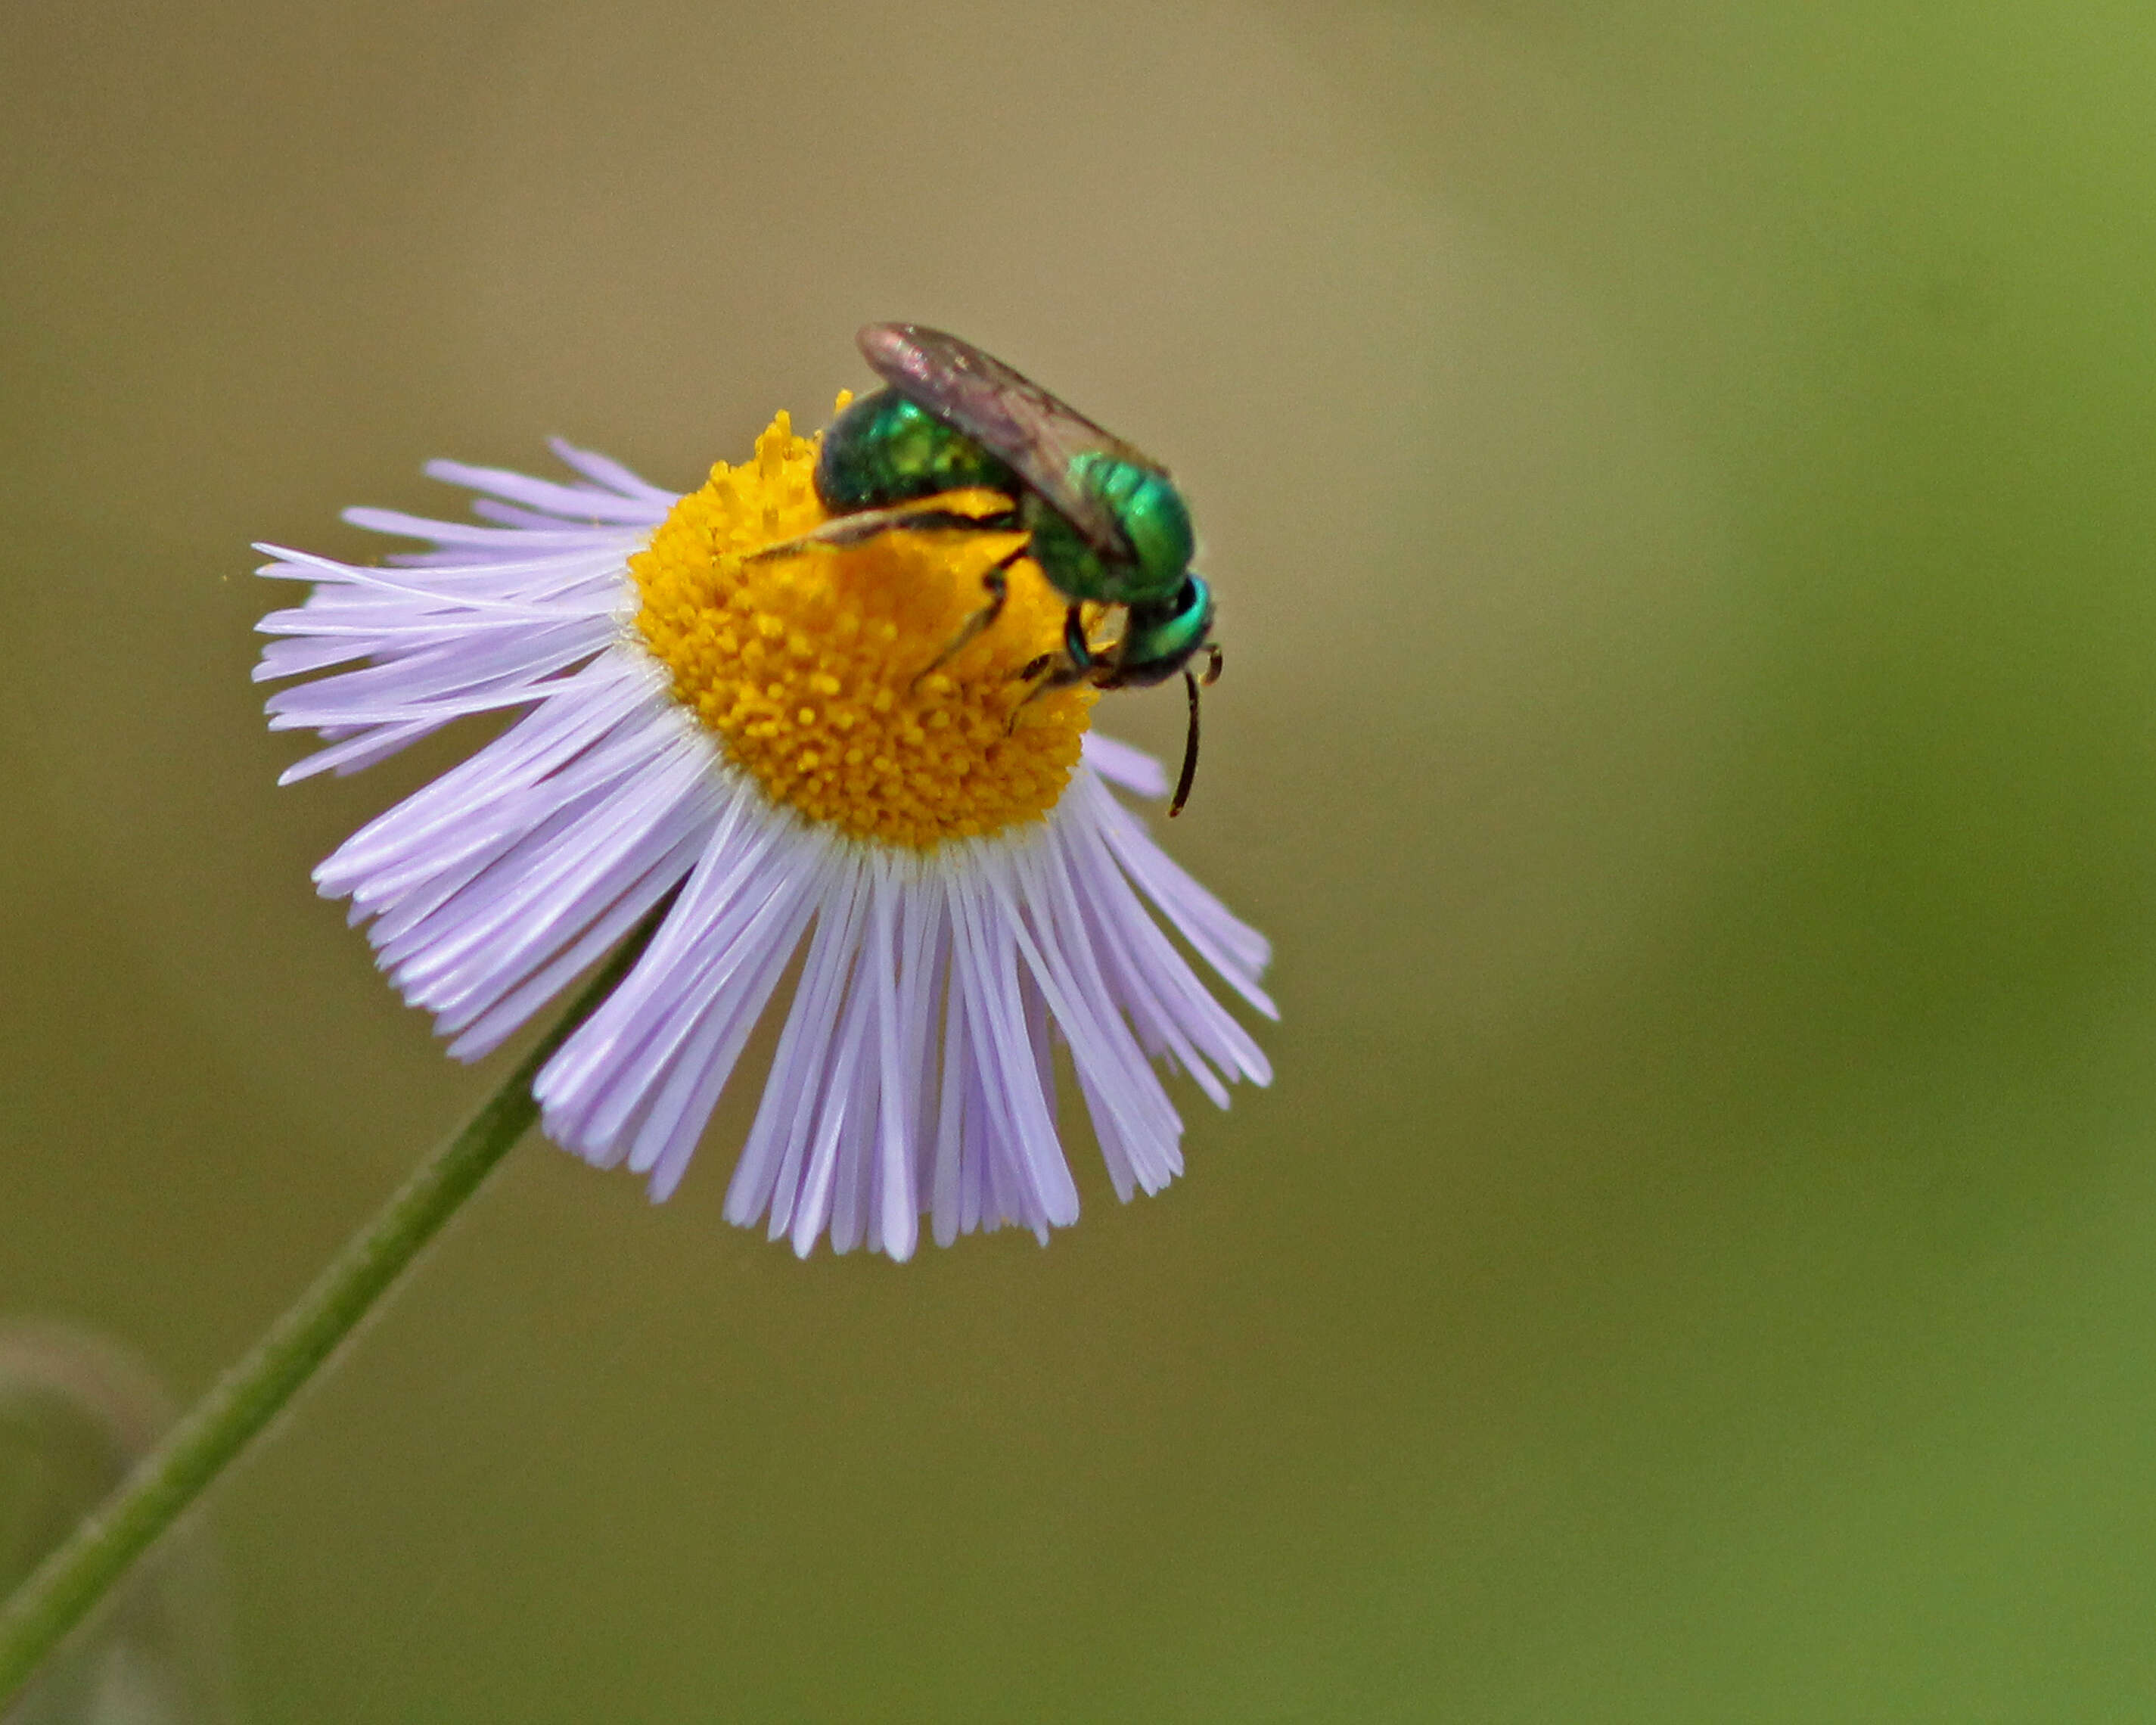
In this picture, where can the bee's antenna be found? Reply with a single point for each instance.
(1189, 749)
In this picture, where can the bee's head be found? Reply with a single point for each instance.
(1158, 640)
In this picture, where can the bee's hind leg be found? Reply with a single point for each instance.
(842, 530)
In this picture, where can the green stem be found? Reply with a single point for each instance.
(71, 1581)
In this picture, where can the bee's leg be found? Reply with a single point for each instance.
(1077, 663)
(1076, 649)
(997, 584)
(868, 523)
(1060, 678)
(1078, 659)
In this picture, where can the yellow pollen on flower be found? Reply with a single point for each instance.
(808, 665)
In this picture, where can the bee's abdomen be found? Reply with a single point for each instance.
(884, 449)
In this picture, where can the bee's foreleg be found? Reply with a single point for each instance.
(1077, 663)
(1076, 649)
(997, 584)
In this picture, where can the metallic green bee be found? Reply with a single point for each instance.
(1104, 522)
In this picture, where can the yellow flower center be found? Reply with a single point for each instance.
(809, 664)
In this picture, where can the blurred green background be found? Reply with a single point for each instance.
(1681, 484)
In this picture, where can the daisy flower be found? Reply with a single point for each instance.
(754, 737)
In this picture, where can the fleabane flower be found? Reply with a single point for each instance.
(755, 737)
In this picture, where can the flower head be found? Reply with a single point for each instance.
(780, 743)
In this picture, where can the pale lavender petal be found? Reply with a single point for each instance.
(770, 1168)
(836, 1090)
(1231, 947)
(608, 472)
(898, 1209)
(1129, 768)
(1011, 1083)
(581, 502)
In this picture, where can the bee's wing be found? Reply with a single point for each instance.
(1007, 413)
